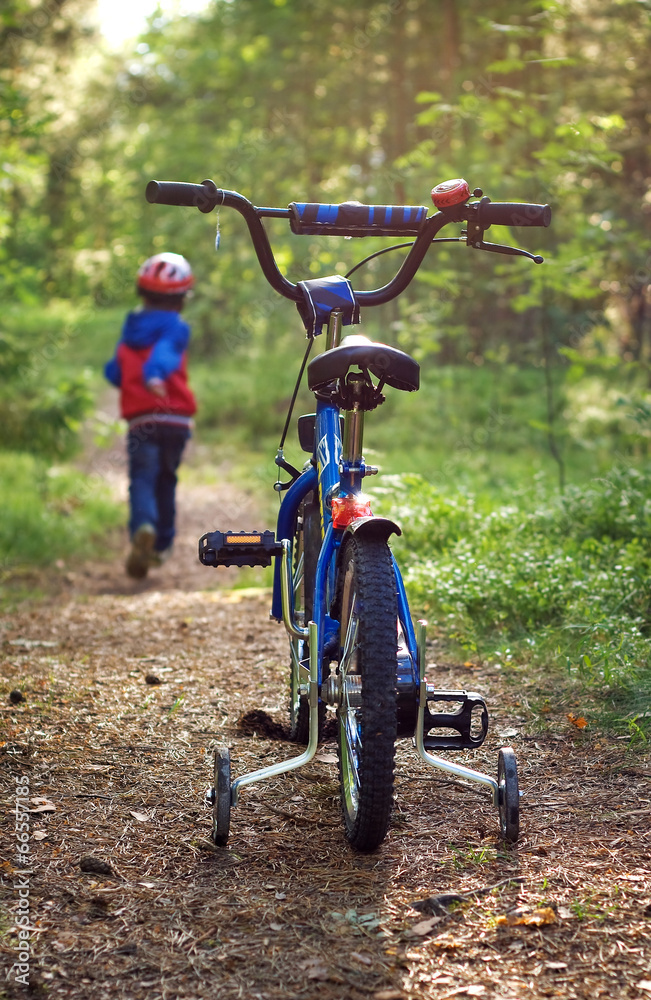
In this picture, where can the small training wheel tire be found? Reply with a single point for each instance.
(221, 810)
(509, 795)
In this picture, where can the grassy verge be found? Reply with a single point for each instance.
(49, 360)
(49, 513)
(555, 590)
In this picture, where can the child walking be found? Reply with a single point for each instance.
(149, 368)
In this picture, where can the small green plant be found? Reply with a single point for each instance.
(639, 729)
(590, 909)
(462, 857)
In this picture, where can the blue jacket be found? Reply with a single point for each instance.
(165, 332)
(153, 345)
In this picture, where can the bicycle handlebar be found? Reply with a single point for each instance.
(349, 219)
(354, 219)
(512, 214)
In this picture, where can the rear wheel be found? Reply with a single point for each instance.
(367, 673)
(306, 553)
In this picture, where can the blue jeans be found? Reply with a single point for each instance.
(154, 451)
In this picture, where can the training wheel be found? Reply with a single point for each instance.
(509, 795)
(221, 807)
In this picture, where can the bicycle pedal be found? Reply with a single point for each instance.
(469, 722)
(238, 548)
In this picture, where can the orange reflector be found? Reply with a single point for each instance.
(243, 539)
(348, 509)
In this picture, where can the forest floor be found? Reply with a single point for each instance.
(128, 688)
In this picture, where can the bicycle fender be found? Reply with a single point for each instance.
(373, 527)
(363, 527)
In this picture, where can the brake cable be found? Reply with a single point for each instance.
(280, 457)
(402, 246)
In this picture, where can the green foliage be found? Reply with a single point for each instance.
(42, 407)
(615, 508)
(374, 101)
(49, 513)
(40, 106)
(549, 579)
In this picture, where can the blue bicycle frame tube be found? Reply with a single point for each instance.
(327, 447)
(328, 453)
(322, 597)
(285, 527)
(404, 615)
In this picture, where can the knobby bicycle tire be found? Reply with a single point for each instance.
(367, 714)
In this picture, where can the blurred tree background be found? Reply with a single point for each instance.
(539, 101)
(545, 100)
(542, 101)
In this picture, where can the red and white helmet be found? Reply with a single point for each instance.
(165, 274)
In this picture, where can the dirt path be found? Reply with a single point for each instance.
(117, 768)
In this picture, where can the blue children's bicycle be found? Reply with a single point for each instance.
(337, 587)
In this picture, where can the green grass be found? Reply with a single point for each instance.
(50, 362)
(558, 584)
(61, 334)
(49, 512)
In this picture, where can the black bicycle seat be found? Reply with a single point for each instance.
(394, 367)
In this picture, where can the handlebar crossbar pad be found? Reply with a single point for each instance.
(513, 214)
(353, 219)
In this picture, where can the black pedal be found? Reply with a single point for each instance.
(471, 729)
(238, 548)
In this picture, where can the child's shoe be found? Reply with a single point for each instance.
(157, 558)
(142, 546)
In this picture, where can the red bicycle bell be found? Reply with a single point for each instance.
(451, 193)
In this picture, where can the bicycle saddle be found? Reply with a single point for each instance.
(394, 367)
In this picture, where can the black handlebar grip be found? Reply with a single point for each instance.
(205, 196)
(512, 214)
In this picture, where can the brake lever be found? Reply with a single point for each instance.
(509, 251)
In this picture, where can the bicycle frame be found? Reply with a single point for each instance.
(339, 471)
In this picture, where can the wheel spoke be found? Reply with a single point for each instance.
(350, 646)
(298, 573)
(353, 746)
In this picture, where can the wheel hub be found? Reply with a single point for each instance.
(352, 691)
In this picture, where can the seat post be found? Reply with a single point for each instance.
(353, 440)
(333, 337)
